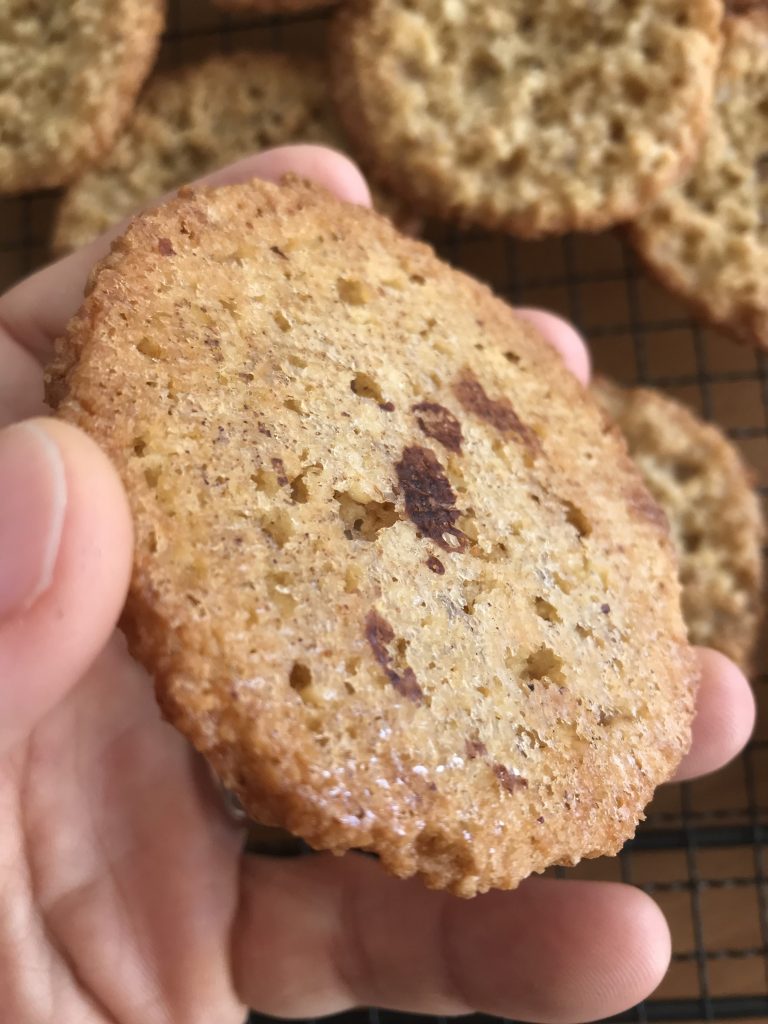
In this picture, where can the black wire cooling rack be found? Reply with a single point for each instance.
(702, 851)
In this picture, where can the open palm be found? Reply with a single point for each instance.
(124, 895)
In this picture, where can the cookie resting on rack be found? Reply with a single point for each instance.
(699, 479)
(707, 238)
(70, 75)
(532, 116)
(197, 118)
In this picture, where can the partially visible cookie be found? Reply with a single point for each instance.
(392, 575)
(708, 238)
(535, 116)
(195, 119)
(69, 75)
(699, 479)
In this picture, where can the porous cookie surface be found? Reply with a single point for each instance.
(393, 575)
(698, 478)
(69, 74)
(708, 238)
(196, 119)
(532, 115)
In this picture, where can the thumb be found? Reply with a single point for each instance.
(65, 553)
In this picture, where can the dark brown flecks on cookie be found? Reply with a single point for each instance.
(429, 498)
(440, 424)
(380, 636)
(496, 411)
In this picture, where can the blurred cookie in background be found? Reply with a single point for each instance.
(69, 75)
(699, 479)
(197, 118)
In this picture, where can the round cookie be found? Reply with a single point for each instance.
(70, 75)
(707, 239)
(394, 578)
(699, 479)
(195, 119)
(533, 116)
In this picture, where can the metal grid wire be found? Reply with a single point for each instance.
(702, 852)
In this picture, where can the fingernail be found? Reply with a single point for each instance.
(33, 497)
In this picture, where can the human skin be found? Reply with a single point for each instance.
(124, 894)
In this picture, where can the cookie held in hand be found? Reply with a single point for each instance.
(393, 576)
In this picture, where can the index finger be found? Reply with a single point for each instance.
(36, 311)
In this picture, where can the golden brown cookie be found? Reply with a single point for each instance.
(535, 116)
(69, 74)
(195, 119)
(707, 239)
(698, 478)
(392, 575)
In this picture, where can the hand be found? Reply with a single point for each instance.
(124, 897)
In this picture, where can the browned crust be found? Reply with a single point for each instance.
(267, 757)
(142, 23)
(431, 194)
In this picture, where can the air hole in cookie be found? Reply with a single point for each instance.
(512, 357)
(526, 24)
(150, 348)
(515, 162)
(547, 611)
(279, 590)
(266, 481)
(543, 664)
(294, 405)
(635, 90)
(685, 471)
(692, 540)
(152, 542)
(300, 677)
(353, 577)
(297, 361)
(618, 131)
(152, 476)
(365, 386)
(468, 526)
(353, 291)
(576, 518)
(139, 447)
(364, 520)
(299, 489)
(278, 527)
(282, 320)
(483, 69)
